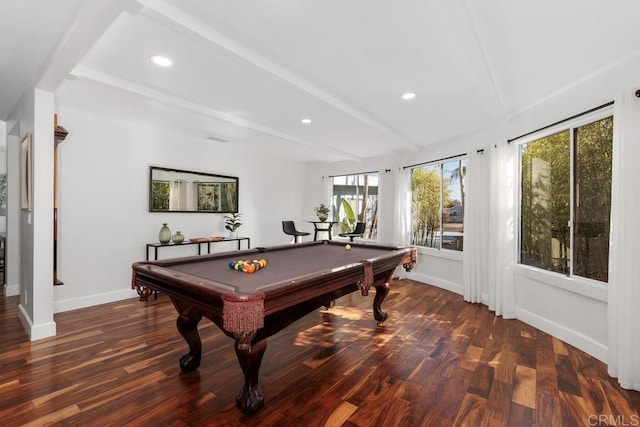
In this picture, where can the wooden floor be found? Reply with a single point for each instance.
(438, 361)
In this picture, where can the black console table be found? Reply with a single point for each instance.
(155, 246)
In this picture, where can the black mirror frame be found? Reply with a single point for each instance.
(204, 174)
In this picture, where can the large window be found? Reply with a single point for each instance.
(566, 200)
(438, 204)
(355, 199)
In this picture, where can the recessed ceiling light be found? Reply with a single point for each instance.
(160, 60)
(305, 121)
(409, 95)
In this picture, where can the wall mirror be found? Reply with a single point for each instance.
(175, 190)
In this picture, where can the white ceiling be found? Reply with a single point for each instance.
(249, 71)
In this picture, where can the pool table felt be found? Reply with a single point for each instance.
(282, 265)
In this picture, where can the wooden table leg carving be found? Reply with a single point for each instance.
(330, 304)
(188, 328)
(250, 399)
(381, 293)
(143, 291)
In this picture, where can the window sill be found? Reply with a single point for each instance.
(578, 285)
(442, 253)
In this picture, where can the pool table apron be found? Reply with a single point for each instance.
(251, 318)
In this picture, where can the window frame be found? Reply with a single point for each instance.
(570, 126)
(454, 254)
(337, 206)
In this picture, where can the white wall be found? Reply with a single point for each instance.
(12, 248)
(3, 166)
(41, 220)
(29, 233)
(20, 227)
(574, 310)
(103, 216)
(439, 268)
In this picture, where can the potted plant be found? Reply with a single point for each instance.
(232, 222)
(322, 211)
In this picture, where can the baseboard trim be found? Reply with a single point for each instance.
(35, 331)
(91, 300)
(570, 336)
(11, 290)
(436, 281)
(576, 339)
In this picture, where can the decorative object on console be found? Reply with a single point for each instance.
(232, 223)
(206, 239)
(322, 211)
(165, 234)
(177, 238)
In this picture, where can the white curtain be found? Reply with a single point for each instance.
(178, 195)
(386, 194)
(624, 268)
(475, 256)
(401, 234)
(502, 232)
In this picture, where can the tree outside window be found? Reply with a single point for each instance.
(160, 195)
(565, 206)
(438, 200)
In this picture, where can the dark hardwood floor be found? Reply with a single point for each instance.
(438, 361)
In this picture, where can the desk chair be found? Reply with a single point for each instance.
(357, 232)
(289, 228)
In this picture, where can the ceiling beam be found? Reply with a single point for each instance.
(176, 19)
(485, 61)
(84, 30)
(94, 76)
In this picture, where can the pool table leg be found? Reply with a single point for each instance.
(250, 399)
(188, 328)
(381, 294)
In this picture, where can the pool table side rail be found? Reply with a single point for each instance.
(153, 274)
(196, 290)
(218, 301)
(255, 252)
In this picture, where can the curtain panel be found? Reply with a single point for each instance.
(475, 256)
(501, 246)
(624, 269)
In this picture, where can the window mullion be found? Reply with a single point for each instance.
(441, 205)
(572, 200)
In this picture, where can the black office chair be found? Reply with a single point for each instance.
(290, 228)
(357, 232)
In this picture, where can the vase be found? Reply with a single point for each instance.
(323, 217)
(165, 234)
(177, 238)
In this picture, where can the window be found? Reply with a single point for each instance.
(565, 201)
(355, 199)
(438, 204)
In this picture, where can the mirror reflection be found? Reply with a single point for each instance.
(175, 190)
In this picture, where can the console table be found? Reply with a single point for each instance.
(155, 246)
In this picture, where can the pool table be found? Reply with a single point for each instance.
(250, 307)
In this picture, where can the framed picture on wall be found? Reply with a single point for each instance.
(26, 174)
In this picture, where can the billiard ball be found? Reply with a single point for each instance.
(347, 246)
